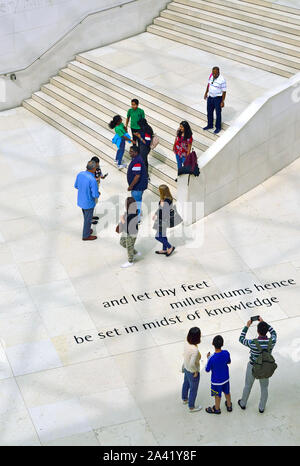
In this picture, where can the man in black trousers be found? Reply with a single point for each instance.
(215, 94)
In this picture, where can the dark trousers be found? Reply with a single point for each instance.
(214, 103)
(163, 240)
(87, 222)
(144, 151)
(135, 139)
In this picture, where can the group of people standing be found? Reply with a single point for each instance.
(142, 139)
(142, 136)
(87, 184)
(217, 364)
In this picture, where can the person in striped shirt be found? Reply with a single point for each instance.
(262, 329)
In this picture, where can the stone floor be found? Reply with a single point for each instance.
(182, 72)
(124, 389)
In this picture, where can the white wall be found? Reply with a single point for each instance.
(28, 28)
(263, 140)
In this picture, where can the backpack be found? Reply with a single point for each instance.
(265, 365)
(190, 166)
(154, 142)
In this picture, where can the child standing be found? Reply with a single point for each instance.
(119, 139)
(218, 365)
(134, 114)
(98, 175)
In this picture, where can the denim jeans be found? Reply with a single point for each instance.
(190, 387)
(120, 152)
(180, 161)
(137, 195)
(214, 103)
(87, 221)
(163, 240)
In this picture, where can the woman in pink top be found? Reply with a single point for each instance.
(183, 143)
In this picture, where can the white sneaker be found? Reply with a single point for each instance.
(197, 408)
(127, 264)
(138, 254)
(122, 166)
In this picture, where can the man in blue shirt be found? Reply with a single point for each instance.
(218, 365)
(87, 193)
(137, 177)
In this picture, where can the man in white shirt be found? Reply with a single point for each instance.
(215, 94)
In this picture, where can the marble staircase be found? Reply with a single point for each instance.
(82, 99)
(253, 32)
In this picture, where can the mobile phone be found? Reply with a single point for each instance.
(253, 318)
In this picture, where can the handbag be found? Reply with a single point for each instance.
(154, 142)
(175, 218)
(190, 166)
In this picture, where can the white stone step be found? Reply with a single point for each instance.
(235, 44)
(153, 113)
(195, 18)
(274, 6)
(93, 144)
(87, 59)
(240, 25)
(97, 131)
(166, 137)
(210, 5)
(226, 52)
(124, 92)
(260, 10)
(84, 108)
(164, 127)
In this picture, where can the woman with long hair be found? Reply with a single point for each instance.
(162, 220)
(120, 137)
(145, 135)
(183, 143)
(191, 369)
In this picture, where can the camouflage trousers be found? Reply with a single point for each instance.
(128, 242)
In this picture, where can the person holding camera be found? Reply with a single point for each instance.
(257, 346)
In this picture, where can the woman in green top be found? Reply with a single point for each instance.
(119, 139)
(134, 114)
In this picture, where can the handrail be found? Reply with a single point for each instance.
(66, 34)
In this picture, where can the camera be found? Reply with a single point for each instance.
(253, 318)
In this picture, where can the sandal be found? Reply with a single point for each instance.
(172, 250)
(213, 410)
(229, 408)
